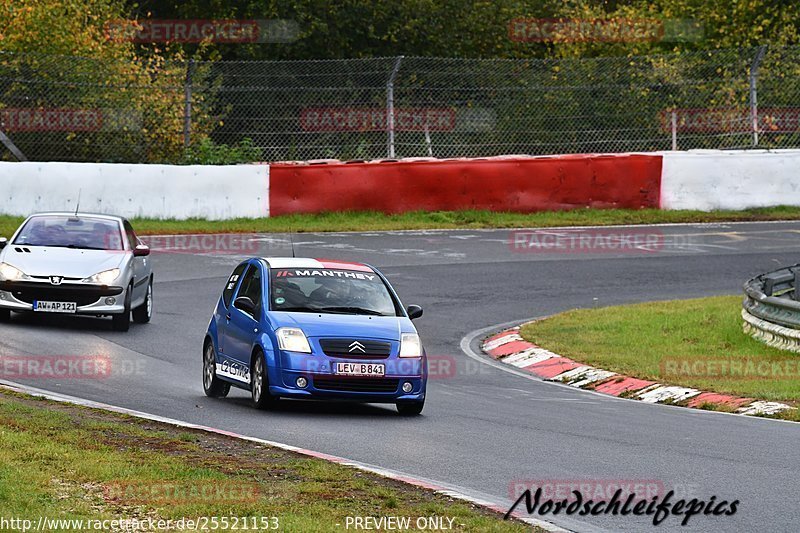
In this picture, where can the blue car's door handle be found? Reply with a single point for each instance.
(228, 317)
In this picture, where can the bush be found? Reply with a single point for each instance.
(207, 152)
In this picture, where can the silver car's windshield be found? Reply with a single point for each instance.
(88, 233)
(330, 291)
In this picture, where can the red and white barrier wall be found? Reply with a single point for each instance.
(511, 183)
(153, 191)
(716, 179)
(703, 180)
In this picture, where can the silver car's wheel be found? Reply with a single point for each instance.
(122, 321)
(143, 313)
(212, 385)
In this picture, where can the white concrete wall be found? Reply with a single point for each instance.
(717, 179)
(153, 191)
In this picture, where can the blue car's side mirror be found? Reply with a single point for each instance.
(245, 304)
(414, 311)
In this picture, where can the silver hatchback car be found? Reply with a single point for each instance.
(77, 263)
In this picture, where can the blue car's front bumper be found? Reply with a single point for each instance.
(323, 382)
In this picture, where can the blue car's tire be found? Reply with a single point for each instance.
(410, 408)
(212, 385)
(259, 384)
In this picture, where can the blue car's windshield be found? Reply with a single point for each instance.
(330, 291)
(63, 231)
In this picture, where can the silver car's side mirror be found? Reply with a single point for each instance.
(3, 242)
(141, 250)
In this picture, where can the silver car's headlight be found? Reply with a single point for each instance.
(11, 273)
(105, 277)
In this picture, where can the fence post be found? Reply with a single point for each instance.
(674, 131)
(390, 109)
(8, 143)
(760, 51)
(187, 104)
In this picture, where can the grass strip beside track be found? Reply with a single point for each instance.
(641, 340)
(371, 221)
(63, 461)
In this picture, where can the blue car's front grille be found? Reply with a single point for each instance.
(355, 348)
(353, 384)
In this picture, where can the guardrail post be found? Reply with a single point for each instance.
(760, 51)
(769, 283)
(390, 109)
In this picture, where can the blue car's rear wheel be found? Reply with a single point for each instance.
(212, 385)
(259, 384)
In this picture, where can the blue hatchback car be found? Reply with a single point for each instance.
(314, 329)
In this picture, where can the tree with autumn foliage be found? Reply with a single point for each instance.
(61, 56)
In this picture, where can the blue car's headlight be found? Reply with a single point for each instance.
(292, 340)
(410, 345)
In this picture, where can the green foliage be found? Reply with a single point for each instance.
(206, 152)
(480, 28)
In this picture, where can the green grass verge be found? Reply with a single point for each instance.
(62, 461)
(638, 340)
(371, 221)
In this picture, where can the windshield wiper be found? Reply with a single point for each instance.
(301, 309)
(352, 310)
(70, 246)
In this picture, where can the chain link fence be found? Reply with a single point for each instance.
(76, 109)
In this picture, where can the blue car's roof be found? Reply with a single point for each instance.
(306, 262)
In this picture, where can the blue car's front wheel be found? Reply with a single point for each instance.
(410, 408)
(259, 384)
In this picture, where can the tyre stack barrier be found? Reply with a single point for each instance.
(771, 308)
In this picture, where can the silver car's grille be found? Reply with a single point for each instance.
(80, 294)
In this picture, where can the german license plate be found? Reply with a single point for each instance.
(360, 369)
(42, 306)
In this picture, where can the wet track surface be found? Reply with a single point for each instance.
(483, 429)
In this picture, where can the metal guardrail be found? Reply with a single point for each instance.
(771, 308)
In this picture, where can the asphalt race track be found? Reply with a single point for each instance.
(483, 428)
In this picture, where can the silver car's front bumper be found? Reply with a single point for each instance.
(90, 299)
